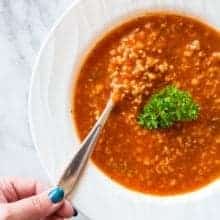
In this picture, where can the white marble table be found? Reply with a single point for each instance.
(24, 25)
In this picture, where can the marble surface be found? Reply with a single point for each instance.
(24, 25)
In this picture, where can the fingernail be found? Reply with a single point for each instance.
(56, 195)
(75, 213)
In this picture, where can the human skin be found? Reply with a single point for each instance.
(27, 199)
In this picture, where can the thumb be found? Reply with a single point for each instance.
(36, 207)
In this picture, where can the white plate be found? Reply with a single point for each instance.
(55, 137)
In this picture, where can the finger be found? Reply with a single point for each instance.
(66, 210)
(2, 197)
(36, 207)
(15, 188)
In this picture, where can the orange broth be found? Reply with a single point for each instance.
(144, 55)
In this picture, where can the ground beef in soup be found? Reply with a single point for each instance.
(139, 58)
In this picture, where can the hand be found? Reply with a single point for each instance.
(25, 199)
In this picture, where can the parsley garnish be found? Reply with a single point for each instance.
(168, 106)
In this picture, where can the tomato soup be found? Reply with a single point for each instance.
(142, 56)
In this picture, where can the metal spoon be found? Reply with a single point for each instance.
(72, 173)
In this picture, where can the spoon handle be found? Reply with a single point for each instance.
(72, 173)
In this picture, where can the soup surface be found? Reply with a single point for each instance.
(140, 57)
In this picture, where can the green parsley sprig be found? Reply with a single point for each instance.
(168, 106)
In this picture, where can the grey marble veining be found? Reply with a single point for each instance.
(24, 25)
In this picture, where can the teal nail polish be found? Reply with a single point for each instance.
(56, 195)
